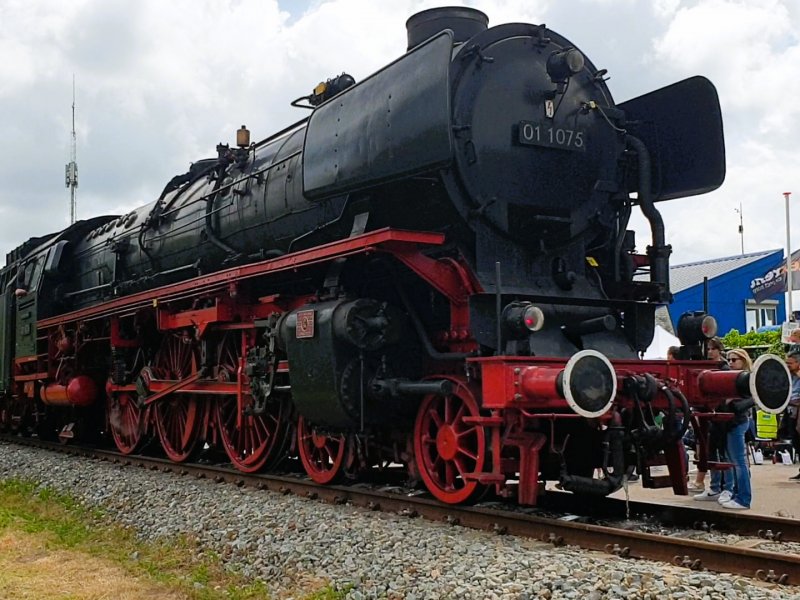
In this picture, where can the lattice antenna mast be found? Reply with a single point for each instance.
(72, 167)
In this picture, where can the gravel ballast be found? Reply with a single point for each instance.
(296, 545)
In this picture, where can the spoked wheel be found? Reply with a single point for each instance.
(250, 440)
(250, 446)
(179, 417)
(446, 448)
(126, 421)
(322, 455)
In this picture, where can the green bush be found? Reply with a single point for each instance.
(755, 343)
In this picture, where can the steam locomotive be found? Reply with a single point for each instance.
(432, 270)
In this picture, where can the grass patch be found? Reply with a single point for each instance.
(49, 512)
(37, 525)
(329, 593)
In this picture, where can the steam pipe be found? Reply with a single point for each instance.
(594, 325)
(186, 180)
(212, 236)
(670, 411)
(613, 448)
(96, 288)
(395, 388)
(209, 229)
(423, 335)
(140, 240)
(498, 308)
(687, 417)
(323, 226)
(659, 252)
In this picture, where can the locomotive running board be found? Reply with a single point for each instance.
(394, 241)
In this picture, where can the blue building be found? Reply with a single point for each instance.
(729, 298)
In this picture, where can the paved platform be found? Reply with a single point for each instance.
(773, 492)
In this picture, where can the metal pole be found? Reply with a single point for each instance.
(741, 225)
(498, 307)
(72, 167)
(790, 315)
(705, 310)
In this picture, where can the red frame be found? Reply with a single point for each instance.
(514, 389)
(530, 383)
(386, 240)
(447, 275)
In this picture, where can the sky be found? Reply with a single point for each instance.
(160, 83)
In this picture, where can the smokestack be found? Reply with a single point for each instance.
(462, 21)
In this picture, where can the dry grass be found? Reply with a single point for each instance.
(51, 547)
(30, 570)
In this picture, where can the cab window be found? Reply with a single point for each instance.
(30, 273)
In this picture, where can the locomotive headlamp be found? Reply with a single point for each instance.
(770, 384)
(696, 327)
(564, 64)
(589, 383)
(243, 137)
(533, 318)
(522, 318)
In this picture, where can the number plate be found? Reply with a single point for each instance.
(533, 133)
(305, 324)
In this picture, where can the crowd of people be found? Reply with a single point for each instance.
(727, 439)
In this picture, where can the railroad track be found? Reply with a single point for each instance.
(765, 527)
(773, 567)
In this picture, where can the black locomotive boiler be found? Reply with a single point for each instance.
(433, 270)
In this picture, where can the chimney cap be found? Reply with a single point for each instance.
(463, 21)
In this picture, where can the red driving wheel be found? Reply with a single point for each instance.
(250, 446)
(322, 455)
(249, 440)
(126, 421)
(178, 417)
(447, 448)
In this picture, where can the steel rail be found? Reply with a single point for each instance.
(766, 527)
(773, 567)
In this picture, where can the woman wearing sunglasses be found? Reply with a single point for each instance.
(739, 360)
(721, 489)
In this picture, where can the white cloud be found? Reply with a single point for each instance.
(747, 45)
(750, 50)
(665, 8)
(160, 83)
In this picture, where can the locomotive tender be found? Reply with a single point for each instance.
(433, 269)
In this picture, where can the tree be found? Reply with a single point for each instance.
(755, 343)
